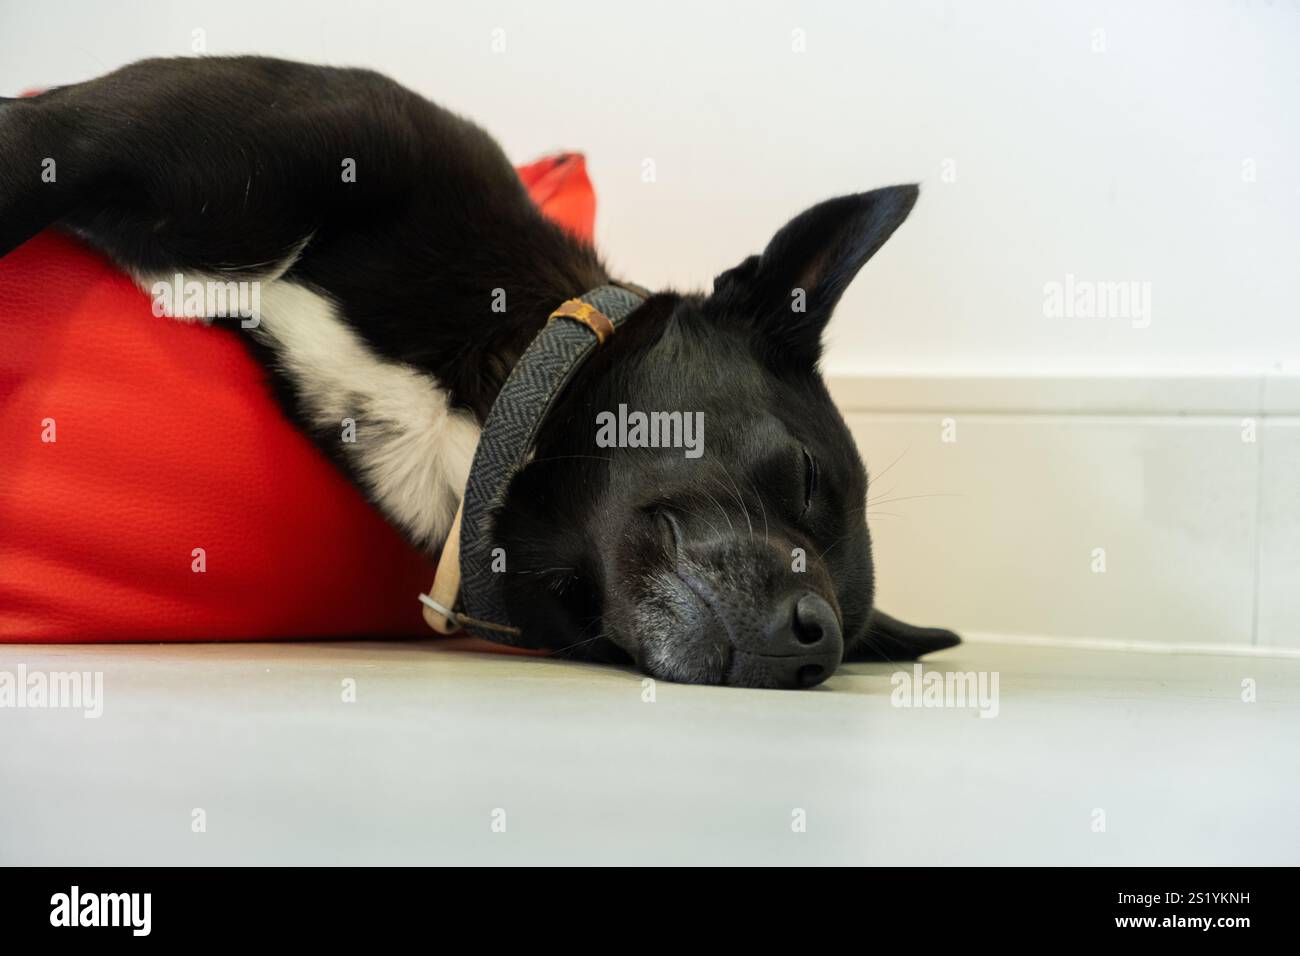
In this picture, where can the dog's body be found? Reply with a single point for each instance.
(402, 271)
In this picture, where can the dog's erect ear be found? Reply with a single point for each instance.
(791, 289)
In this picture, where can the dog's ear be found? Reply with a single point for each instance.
(790, 291)
(889, 639)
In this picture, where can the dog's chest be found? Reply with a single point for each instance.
(393, 425)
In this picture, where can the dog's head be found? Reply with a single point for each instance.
(739, 553)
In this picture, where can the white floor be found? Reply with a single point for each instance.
(443, 737)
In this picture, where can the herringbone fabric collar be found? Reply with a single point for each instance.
(509, 432)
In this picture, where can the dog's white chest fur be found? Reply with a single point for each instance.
(395, 424)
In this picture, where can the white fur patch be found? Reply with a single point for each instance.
(412, 450)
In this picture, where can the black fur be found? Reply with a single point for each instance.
(683, 566)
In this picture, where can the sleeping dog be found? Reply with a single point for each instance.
(403, 272)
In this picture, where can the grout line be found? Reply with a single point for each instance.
(1259, 522)
(1099, 414)
(1140, 647)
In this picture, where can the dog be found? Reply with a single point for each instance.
(746, 564)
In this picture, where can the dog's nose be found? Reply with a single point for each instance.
(803, 643)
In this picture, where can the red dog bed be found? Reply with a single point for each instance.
(151, 489)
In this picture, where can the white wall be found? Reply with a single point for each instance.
(1125, 164)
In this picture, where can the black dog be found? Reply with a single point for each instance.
(382, 230)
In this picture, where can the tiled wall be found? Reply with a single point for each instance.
(1033, 506)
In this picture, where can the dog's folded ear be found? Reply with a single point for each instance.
(889, 639)
(792, 288)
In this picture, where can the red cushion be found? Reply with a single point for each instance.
(167, 439)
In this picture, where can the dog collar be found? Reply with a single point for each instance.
(466, 592)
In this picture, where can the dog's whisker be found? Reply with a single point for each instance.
(878, 647)
(696, 514)
(871, 498)
(885, 471)
(736, 491)
(584, 642)
(718, 504)
(884, 501)
(842, 537)
(759, 496)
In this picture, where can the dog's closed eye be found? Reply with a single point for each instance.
(810, 474)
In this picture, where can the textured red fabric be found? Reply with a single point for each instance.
(167, 439)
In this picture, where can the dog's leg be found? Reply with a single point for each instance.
(889, 639)
(159, 164)
(285, 176)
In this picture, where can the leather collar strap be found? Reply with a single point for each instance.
(465, 567)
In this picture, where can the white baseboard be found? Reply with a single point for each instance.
(1140, 647)
(1151, 391)
(996, 494)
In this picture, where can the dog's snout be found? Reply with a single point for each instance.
(813, 618)
(803, 642)
(737, 615)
